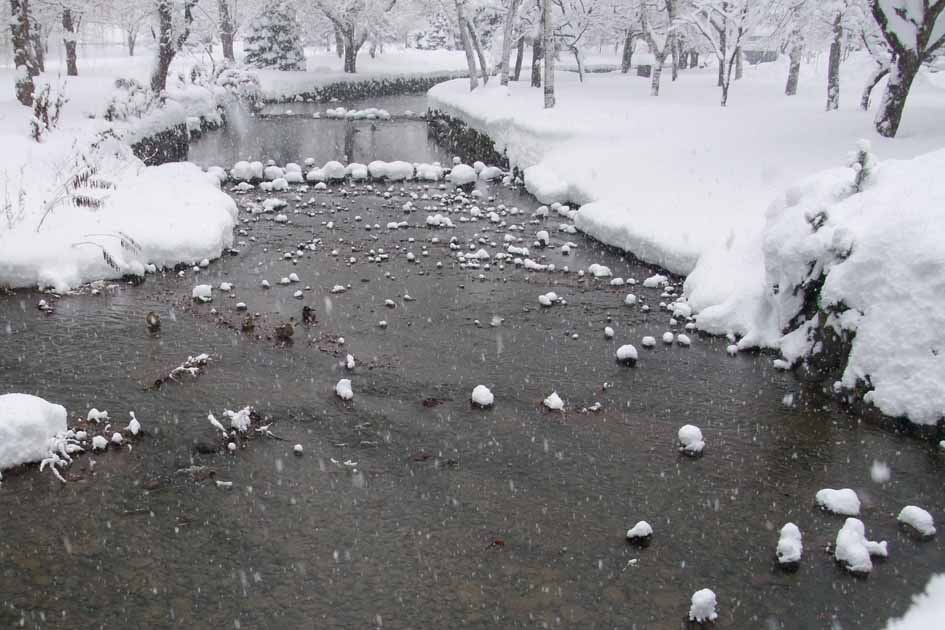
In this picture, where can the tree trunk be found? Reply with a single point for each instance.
(339, 43)
(507, 41)
(657, 73)
(674, 58)
(351, 51)
(683, 59)
(739, 63)
(168, 43)
(627, 58)
(724, 93)
(901, 76)
(467, 46)
(226, 29)
(794, 69)
(22, 51)
(536, 62)
(132, 38)
(68, 40)
(482, 58)
(579, 61)
(39, 50)
(519, 55)
(875, 77)
(723, 48)
(548, 43)
(693, 59)
(833, 65)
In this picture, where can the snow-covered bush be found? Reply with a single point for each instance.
(47, 108)
(243, 84)
(273, 39)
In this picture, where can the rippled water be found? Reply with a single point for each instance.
(406, 537)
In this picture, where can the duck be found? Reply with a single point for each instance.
(285, 331)
(153, 321)
(308, 315)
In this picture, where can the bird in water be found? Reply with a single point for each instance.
(285, 331)
(308, 315)
(153, 321)
(249, 324)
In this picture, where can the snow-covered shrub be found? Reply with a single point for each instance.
(132, 100)
(243, 84)
(273, 39)
(47, 108)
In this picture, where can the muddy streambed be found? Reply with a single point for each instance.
(409, 508)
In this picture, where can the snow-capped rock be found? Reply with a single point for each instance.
(627, 354)
(853, 550)
(703, 606)
(134, 427)
(95, 415)
(690, 439)
(482, 397)
(648, 342)
(918, 519)
(843, 501)
(683, 340)
(343, 389)
(790, 547)
(462, 174)
(655, 281)
(642, 530)
(599, 271)
(27, 423)
(202, 293)
(554, 402)
(99, 443)
(630, 300)
(608, 332)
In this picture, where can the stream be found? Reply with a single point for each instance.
(409, 508)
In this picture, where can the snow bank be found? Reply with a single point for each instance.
(843, 501)
(703, 606)
(918, 519)
(156, 215)
(27, 424)
(790, 546)
(927, 610)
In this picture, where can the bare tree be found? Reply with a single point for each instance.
(464, 37)
(227, 29)
(507, 40)
(170, 39)
(23, 53)
(548, 43)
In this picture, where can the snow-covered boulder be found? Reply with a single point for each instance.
(599, 271)
(399, 170)
(27, 424)
(202, 293)
(703, 606)
(917, 518)
(357, 171)
(343, 389)
(554, 402)
(334, 170)
(640, 532)
(843, 501)
(462, 174)
(790, 546)
(627, 354)
(853, 550)
(690, 440)
(429, 172)
(273, 173)
(482, 397)
(316, 175)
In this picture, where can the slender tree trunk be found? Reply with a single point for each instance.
(693, 59)
(536, 62)
(339, 43)
(875, 77)
(794, 69)
(482, 58)
(226, 29)
(674, 59)
(579, 61)
(507, 41)
(683, 59)
(723, 48)
(68, 40)
(833, 65)
(548, 43)
(39, 49)
(130, 40)
(168, 43)
(739, 63)
(467, 46)
(626, 58)
(351, 51)
(901, 75)
(519, 55)
(22, 51)
(657, 73)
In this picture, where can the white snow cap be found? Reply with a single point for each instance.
(599, 271)
(99, 443)
(789, 544)
(202, 292)
(843, 501)
(554, 402)
(462, 174)
(95, 415)
(26, 425)
(916, 517)
(608, 332)
(927, 610)
(690, 438)
(134, 427)
(482, 397)
(343, 389)
(703, 606)
(854, 550)
(627, 354)
(641, 530)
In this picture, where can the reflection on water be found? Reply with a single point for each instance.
(406, 537)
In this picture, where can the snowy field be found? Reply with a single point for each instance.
(680, 182)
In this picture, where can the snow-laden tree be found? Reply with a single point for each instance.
(915, 32)
(273, 40)
(175, 20)
(797, 17)
(129, 16)
(724, 25)
(354, 20)
(24, 57)
(658, 23)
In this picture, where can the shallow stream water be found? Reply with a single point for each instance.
(409, 508)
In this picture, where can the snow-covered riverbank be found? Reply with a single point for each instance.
(683, 183)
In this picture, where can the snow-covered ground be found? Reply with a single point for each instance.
(685, 184)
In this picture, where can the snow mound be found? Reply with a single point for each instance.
(343, 389)
(917, 518)
(790, 547)
(703, 606)
(482, 397)
(27, 425)
(927, 610)
(462, 174)
(554, 402)
(690, 440)
(853, 550)
(641, 530)
(843, 501)
(627, 354)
